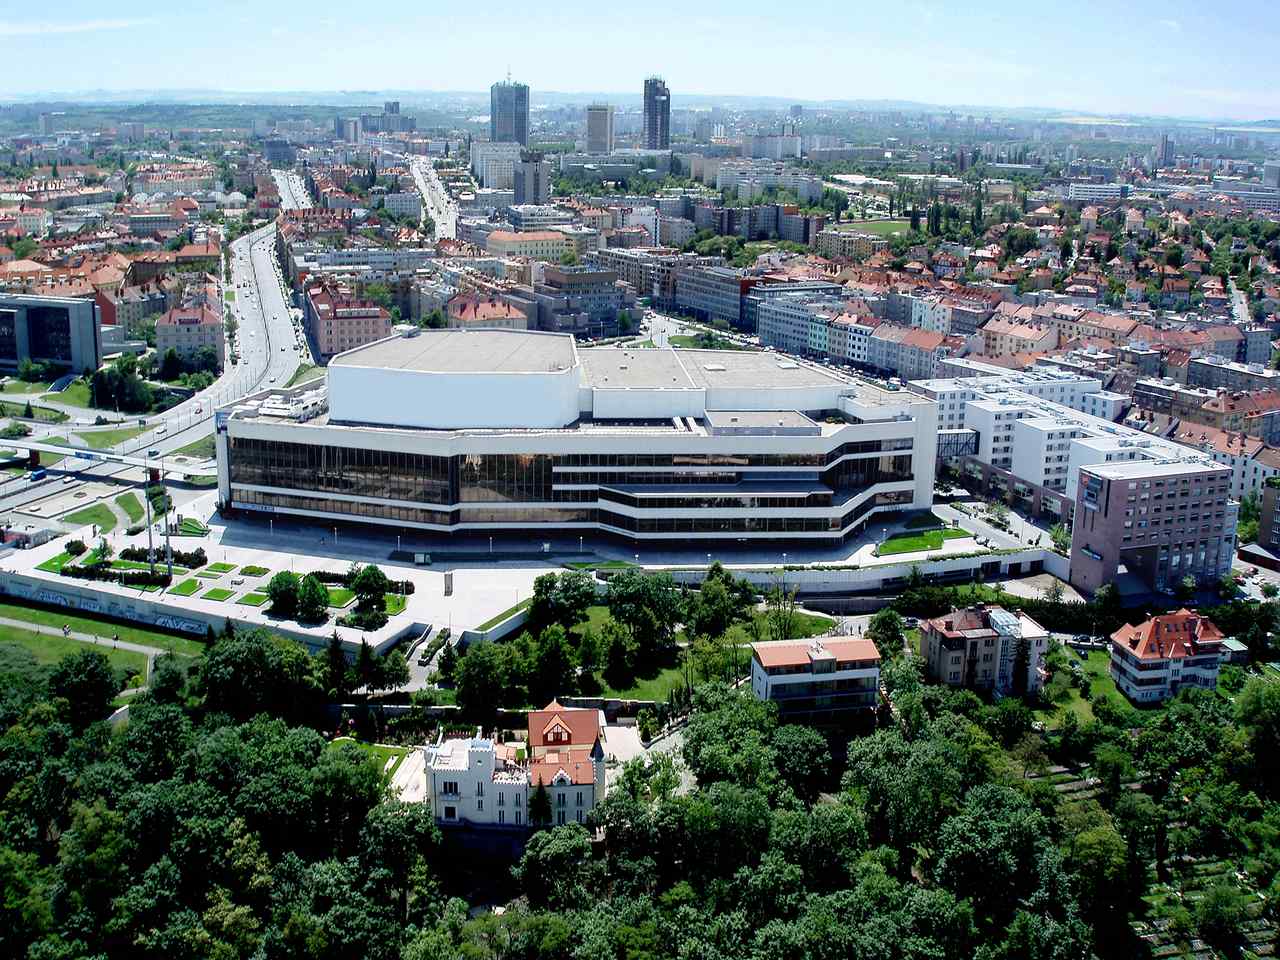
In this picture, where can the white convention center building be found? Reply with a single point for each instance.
(458, 431)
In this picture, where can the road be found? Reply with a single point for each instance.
(1239, 305)
(293, 192)
(270, 350)
(436, 202)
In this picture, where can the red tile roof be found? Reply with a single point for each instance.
(1170, 636)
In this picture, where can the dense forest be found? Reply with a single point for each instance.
(221, 822)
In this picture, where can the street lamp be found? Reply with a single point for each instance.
(491, 545)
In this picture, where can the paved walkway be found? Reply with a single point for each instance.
(150, 652)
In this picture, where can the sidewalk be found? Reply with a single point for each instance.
(150, 652)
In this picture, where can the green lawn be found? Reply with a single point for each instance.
(139, 565)
(379, 752)
(230, 296)
(917, 542)
(99, 513)
(217, 593)
(1097, 668)
(83, 623)
(202, 449)
(55, 564)
(21, 386)
(102, 439)
(249, 570)
(600, 565)
(49, 648)
(253, 599)
(655, 687)
(192, 528)
(394, 604)
(498, 618)
(879, 228)
(221, 567)
(41, 414)
(305, 374)
(340, 597)
(924, 521)
(186, 588)
(128, 502)
(76, 395)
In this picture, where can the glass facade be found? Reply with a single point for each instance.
(9, 335)
(49, 333)
(547, 489)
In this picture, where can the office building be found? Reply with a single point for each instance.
(532, 178)
(600, 128)
(480, 431)
(1161, 520)
(820, 678)
(59, 330)
(1152, 661)
(1271, 174)
(978, 648)
(509, 113)
(657, 114)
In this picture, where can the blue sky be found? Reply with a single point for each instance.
(1207, 59)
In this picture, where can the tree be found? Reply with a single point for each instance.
(1219, 914)
(1060, 536)
(481, 682)
(87, 684)
(336, 668)
(1022, 663)
(171, 365)
(392, 671)
(540, 806)
(803, 759)
(312, 599)
(283, 591)
(563, 853)
(554, 668)
(886, 630)
(370, 586)
(650, 606)
(1186, 589)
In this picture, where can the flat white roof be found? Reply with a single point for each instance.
(466, 351)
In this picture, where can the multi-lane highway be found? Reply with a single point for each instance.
(269, 350)
(436, 202)
(293, 192)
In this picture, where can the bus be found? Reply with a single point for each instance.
(38, 474)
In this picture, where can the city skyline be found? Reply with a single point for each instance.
(1185, 62)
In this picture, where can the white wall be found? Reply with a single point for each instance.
(446, 401)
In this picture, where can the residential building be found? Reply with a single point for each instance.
(485, 430)
(408, 203)
(548, 245)
(1214, 372)
(189, 330)
(582, 300)
(848, 244)
(1152, 661)
(657, 114)
(475, 310)
(338, 321)
(509, 114)
(819, 678)
(979, 647)
(600, 128)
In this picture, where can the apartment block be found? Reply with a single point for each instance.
(1152, 661)
(978, 647)
(819, 678)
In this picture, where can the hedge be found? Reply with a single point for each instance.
(333, 578)
(183, 558)
(128, 578)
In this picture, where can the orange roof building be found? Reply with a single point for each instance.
(1150, 662)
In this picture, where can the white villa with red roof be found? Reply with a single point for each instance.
(1151, 661)
(474, 781)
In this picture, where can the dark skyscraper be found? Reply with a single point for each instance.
(657, 114)
(509, 113)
